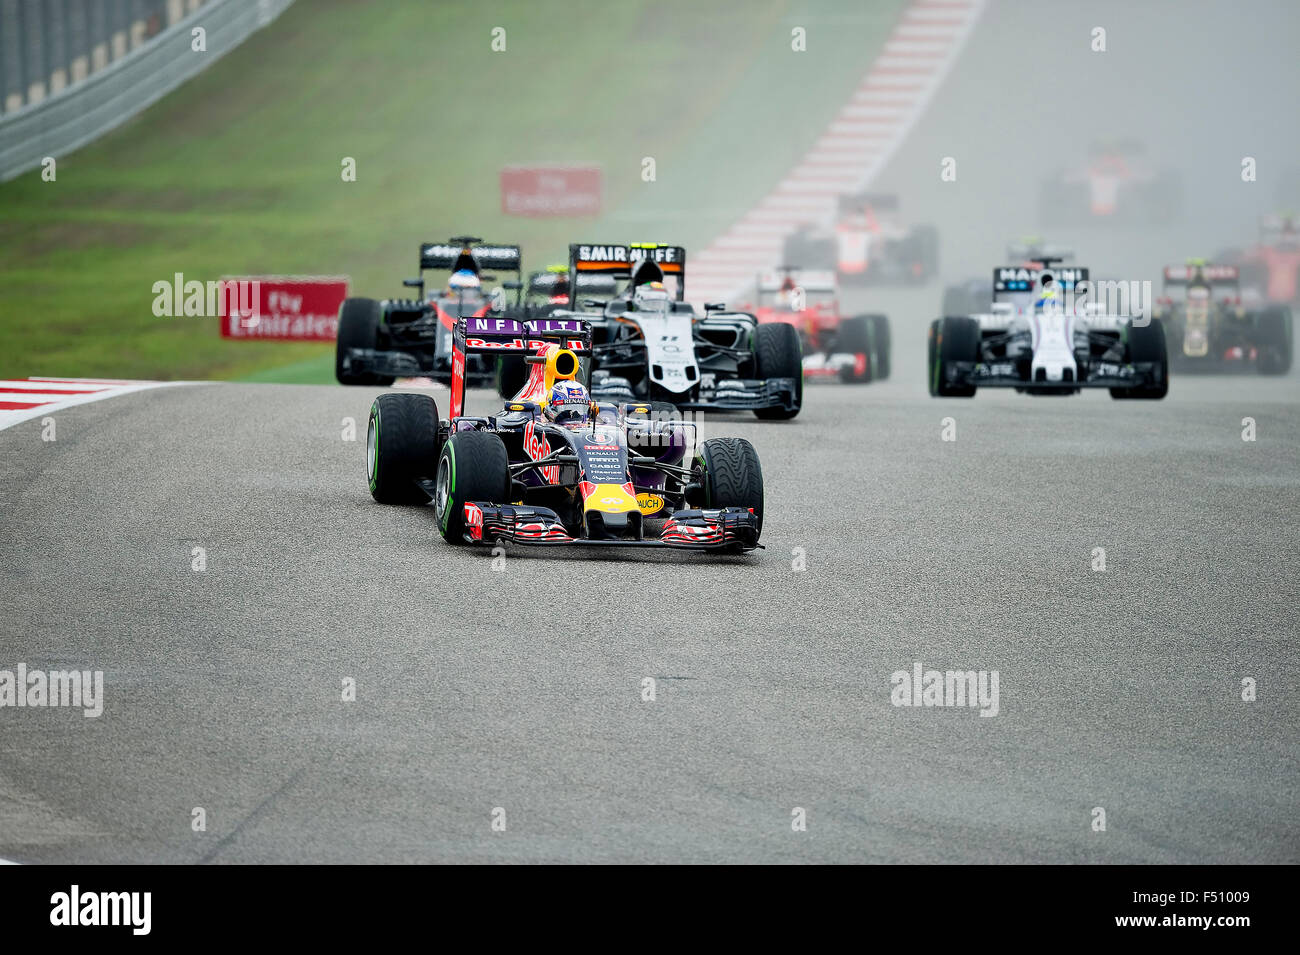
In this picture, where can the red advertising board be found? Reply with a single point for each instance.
(298, 308)
(550, 190)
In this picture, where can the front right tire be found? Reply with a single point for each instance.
(952, 339)
(778, 354)
(731, 475)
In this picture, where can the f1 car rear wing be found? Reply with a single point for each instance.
(639, 261)
(556, 283)
(1176, 275)
(1018, 279)
(463, 252)
(504, 336)
(880, 201)
(1032, 250)
(810, 280)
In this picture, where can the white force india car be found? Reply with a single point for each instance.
(1044, 337)
(651, 345)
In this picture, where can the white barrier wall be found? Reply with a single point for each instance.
(141, 71)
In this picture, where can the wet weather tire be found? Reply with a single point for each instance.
(857, 337)
(1274, 341)
(512, 375)
(778, 354)
(731, 475)
(402, 445)
(472, 467)
(953, 339)
(1146, 343)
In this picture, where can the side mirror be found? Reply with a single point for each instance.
(715, 306)
(592, 303)
(512, 285)
(413, 283)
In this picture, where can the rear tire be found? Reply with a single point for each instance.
(473, 466)
(857, 337)
(402, 446)
(731, 475)
(778, 354)
(932, 354)
(1273, 341)
(925, 246)
(359, 320)
(1146, 343)
(953, 339)
(884, 345)
(512, 375)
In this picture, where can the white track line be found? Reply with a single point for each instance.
(850, 153)
(26, 394)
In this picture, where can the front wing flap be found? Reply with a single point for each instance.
(728, 528)
(1098, 374)
(729, 394)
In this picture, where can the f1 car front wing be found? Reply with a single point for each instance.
(1097, 375)
(729, 394)
(728, 528)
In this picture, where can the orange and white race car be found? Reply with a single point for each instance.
(867, 243)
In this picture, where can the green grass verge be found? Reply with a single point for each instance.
(238, 172)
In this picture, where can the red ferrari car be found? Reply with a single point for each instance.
(854, 349)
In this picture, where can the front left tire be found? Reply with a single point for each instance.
(402, 447)
(359, 321)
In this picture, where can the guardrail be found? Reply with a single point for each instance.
(83, 112)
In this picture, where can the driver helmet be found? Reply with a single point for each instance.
(785, 296)
(651, 296)
(1047, 295)
(463, 279)
(569, 404)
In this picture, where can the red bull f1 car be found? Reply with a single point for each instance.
(606, 475)
(867, 243)
(380, 341)
(1042, 340)
(853, 349)
(651, 345)
(1210, 330)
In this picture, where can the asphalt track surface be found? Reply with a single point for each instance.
(521, 688)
